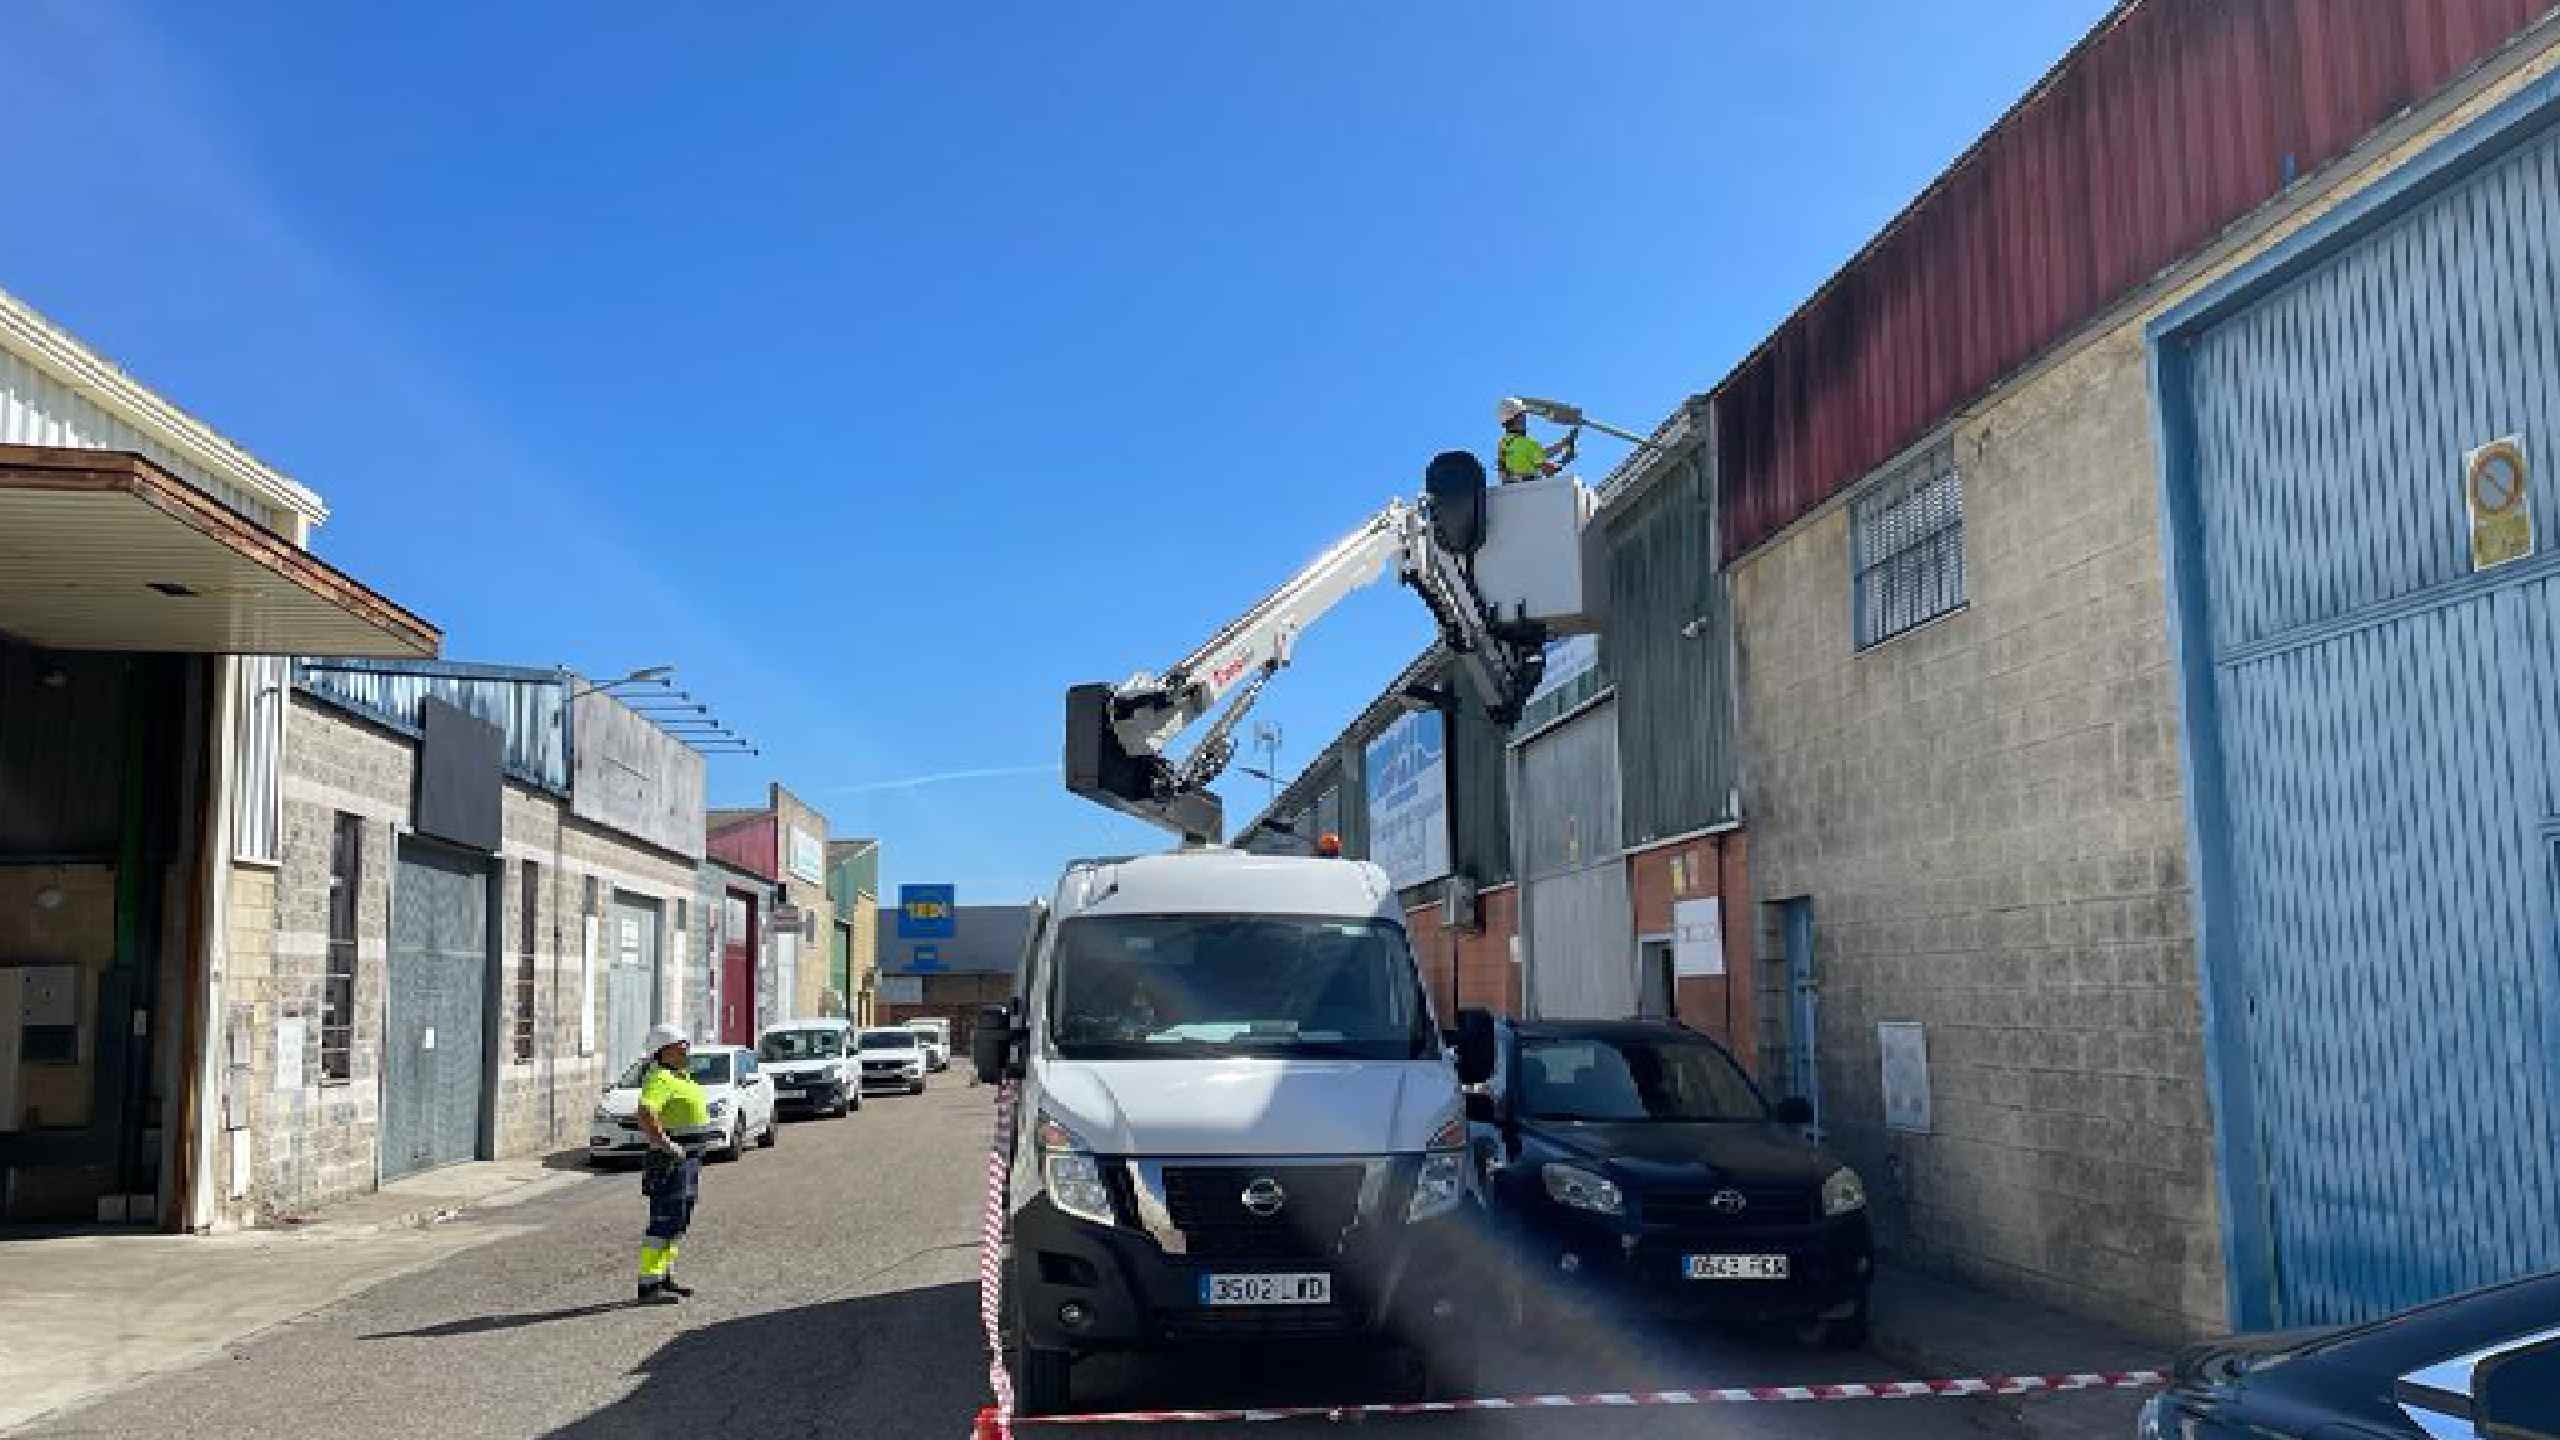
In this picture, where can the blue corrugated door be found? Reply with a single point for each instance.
(2389, 731)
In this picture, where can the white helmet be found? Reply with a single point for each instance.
(1510, 409)
(662, 1036)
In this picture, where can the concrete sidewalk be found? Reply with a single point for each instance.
(1940, 1329)
(90, 1313)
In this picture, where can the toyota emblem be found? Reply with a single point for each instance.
(1728, 1202)
(1264, 1197)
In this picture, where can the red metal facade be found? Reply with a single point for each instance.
(2170, 121)
(751, 844)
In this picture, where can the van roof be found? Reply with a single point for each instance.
(1214, 880)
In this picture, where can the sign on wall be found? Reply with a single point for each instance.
(808, 858)
(1905, 1049)
(1697, 938)
(924, 958)
(901, 990)
(927, 912)
(2496, 486)
(1407, 783)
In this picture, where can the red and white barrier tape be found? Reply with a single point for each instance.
(1620, 1399)
(996, 1422)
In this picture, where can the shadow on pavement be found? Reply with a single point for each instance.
(898, 1364)
(483, 1324)
(577, 1160)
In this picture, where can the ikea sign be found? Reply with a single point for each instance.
(926, 912)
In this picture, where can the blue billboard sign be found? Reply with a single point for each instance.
(926, 912)
(923, 958)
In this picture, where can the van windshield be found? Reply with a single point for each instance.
(1136, 987)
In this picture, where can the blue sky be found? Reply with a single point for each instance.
(888, 369)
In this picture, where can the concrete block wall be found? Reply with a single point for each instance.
(812, 985)
(313, 1139)
(1987, 815)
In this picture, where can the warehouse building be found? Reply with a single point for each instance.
(477, 900)
(141, 556)
(2178, 949)
(784, 843)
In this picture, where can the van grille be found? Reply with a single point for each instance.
(1206, 1202)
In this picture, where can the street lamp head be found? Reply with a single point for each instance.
(647, 672)
(1554, 412)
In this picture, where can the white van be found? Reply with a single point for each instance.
(1238, 1120)
(935, 1032)
(813, 1066)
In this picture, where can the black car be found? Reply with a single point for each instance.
(2416, 1376)
(1635, 1164)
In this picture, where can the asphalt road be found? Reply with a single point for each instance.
(838, 1298)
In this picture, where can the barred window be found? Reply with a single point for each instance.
(1907, 547)
(338, 991)
(529, 893)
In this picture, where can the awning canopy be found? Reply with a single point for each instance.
(103, 550)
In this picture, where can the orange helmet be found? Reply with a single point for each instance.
(1329, 845)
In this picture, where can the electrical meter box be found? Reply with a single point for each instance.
(1539, 562)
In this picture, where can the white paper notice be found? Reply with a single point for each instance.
(1697, 938)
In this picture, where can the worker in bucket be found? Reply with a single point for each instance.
(1521, 457)
(677, 1121)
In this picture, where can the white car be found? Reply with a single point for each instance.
(936, 1035)
(892, 1059)
(812, 1066)
(734, 1085)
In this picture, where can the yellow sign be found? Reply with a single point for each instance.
(2497, 486)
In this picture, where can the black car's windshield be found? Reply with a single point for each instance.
(711, 1069)
(888, 1039)
(1166, 986)
(1666, 1077)
(801, 1045)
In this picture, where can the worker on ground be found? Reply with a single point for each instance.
(677, 1121)
(1521, 457)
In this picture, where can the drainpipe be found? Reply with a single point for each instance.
(1520, 886)
(206, 1041)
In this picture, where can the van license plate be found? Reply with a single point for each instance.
(1314, 1288)
(1735, 1267)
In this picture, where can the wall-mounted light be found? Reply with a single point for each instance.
(49, 898)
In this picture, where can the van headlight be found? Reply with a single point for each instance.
(1441, 1183)
(1581, 1189)
(1842, 1194)
(1070, 1172)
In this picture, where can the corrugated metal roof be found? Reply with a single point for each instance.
(529, 706)
(2170, 121)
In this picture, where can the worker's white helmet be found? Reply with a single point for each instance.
(1509, 410)
(662, 1036)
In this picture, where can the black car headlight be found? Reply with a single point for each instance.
(1577, 1188)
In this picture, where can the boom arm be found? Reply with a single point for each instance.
(1117, 735)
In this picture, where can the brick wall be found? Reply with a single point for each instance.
(1711, 865)
(1486, 977)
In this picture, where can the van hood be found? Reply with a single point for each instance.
(778, 1068)
(1250, 1106)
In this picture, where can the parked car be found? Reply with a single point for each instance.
(812, 1065)
(2433, 1371)
(892, 1059)
(936, 1034)
(741, 1101)
(1633, 1164)
(1239, 1125)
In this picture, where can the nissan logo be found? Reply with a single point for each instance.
(1728, 1202)
(1264, 1197)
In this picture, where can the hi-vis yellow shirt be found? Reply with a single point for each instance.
(1522, 457)
(676, 1099)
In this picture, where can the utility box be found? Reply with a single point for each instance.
(1538, 564)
